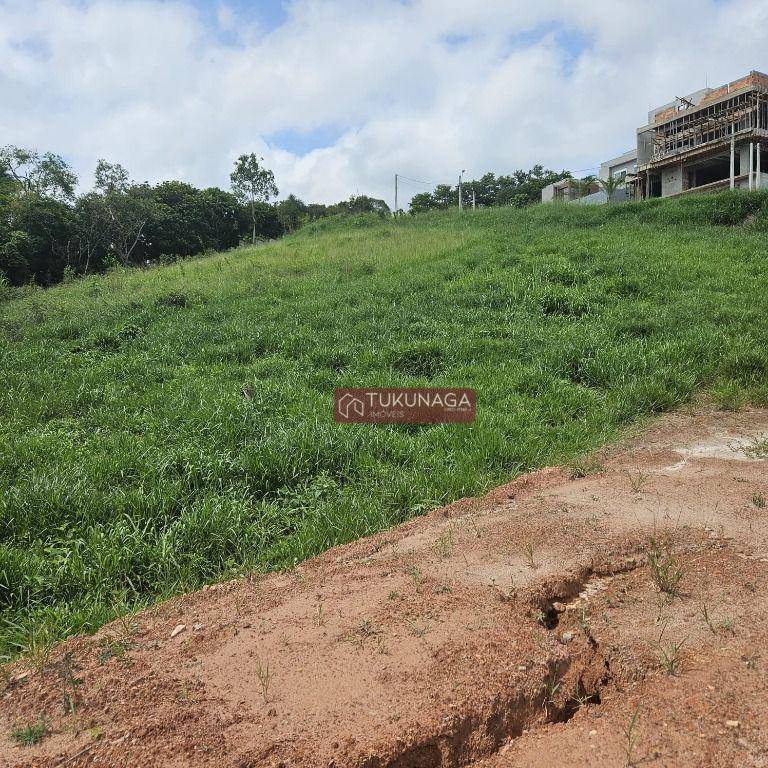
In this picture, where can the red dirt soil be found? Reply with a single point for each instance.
(525, 628)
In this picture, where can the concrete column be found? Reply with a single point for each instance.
(751, 164)
(758, 175)
(733, 162)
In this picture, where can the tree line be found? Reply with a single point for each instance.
(517, 189)
(48, 232)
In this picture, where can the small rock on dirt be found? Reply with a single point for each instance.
(566, 637)
(178, 629)
(731, 723)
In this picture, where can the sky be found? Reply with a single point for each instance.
(339, 95)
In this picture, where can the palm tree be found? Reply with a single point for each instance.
(584, 185)
(611, 185)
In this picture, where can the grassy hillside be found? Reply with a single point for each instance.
(132, 467)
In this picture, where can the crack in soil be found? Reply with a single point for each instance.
(462, 740)
(554, 596)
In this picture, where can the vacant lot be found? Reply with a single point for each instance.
(160, 429)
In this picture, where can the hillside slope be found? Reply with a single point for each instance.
(163, 429)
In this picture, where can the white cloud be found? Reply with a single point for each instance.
(422, 88)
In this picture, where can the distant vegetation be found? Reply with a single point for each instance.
(49, 234)
(161, 429)
(518, 189)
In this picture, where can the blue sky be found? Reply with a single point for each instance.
(339, 95)
(301, 141)
(269, 14)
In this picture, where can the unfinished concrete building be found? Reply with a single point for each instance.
(708, 140)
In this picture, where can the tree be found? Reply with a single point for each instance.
(585, 185)
(45, 229)
(486, 190)
(30, 173)
(7, 184)
(220, 221)
(92, 228)
(126, 208)
(251, 184)
(175, 226)
(291, 212)
(611, 185)
(422, 202)
(523, 188)
(517, 189)
(268, 224)
(130, 213)
(110, 177)
(36, 223)
(42, 229)
(317, 211)
(445, 197)
(15, 254)
(361, 204)
(365, 204)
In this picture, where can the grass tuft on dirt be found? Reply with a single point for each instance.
(133, 467)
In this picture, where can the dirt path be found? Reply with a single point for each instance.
(521, 629)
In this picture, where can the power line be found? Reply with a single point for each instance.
(415, 181)
(399, 177)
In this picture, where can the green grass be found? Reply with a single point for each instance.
(29, 735)
(132, 467)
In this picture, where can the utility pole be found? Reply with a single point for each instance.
(394, 213)
(460, 175)
(474, 206)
